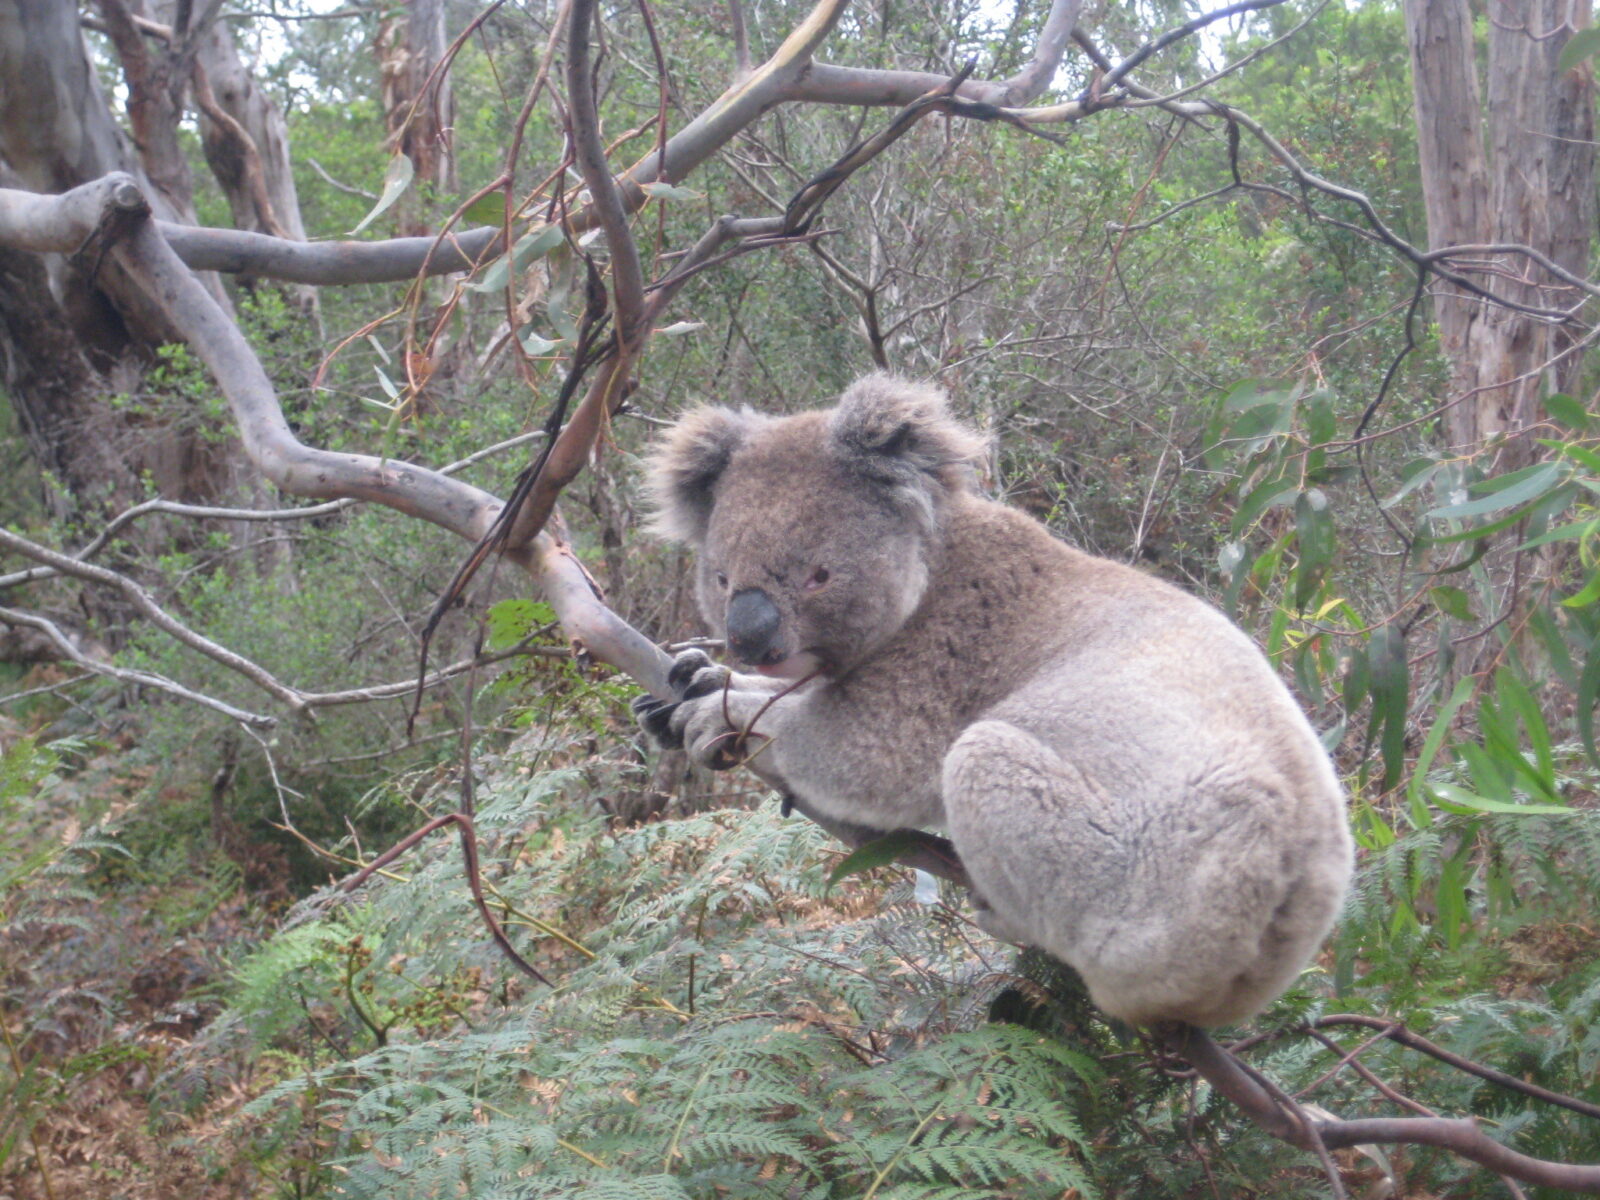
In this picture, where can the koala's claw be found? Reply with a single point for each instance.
(685, 667)
(655, 718)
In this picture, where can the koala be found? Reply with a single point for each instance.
(1129, 785)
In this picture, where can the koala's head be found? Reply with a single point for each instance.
(815, 534)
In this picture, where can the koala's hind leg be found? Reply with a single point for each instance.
(1041, 841)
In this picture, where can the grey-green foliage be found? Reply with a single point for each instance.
(736, 1032)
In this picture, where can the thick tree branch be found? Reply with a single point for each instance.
(395, 260)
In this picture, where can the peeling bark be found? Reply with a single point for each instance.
(1517, 170)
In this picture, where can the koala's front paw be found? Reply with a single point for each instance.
(693, 677)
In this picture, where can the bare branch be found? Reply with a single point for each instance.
(1187, 29)
(391, 261)
(155, 614)
(338, 186)
(741, 38)
(249, 155)
(822, 83)
(627, 277)
(1238, 1083)
(405, 687)
(122, 675)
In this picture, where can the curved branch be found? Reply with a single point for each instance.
(206, 512)
(1398, 1033)
(1233, 1079)
(823, 83)
(627, 276)
(113, 207)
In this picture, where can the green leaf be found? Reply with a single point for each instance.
(1555, 646)
(1441, 730)
(1413, 475)
(1575, 531)
(1452, 602)
(1251, 410)
(1564, 408)
(1590, 593)
(531, 246)
(1581, 454)
(1588, 686)
(488, 209)
(1581, 45)
(396, 179)
(1479, 533)
(667, 191)
(1357, 679)
(1457, 799)
(1391, 694)
(563, 278)
(535, 344)
(880, 852)
(1314, 535)
(1322, 423)
(1263, 496)
(390, 388)
(1515, 698)
(1506, 491)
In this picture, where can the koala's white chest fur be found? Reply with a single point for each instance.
(1127, 782)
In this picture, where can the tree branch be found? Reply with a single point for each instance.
(1231, 1078)
(65, 644)
(156, 615)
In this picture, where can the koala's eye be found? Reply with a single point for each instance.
(722, 580)
(818, 579)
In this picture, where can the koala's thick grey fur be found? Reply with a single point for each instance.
(1128, 784)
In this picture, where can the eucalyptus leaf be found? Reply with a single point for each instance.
(396, 179)
(1451, 601)
(1391, 693)
(1581, 45)
(1459, 799)
(1589, 594)
(880, 852)
(488, 209)
(1314, 535)
(667, 191)
(1506, 491)
(1568, 411)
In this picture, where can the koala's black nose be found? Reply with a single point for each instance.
(753, 621)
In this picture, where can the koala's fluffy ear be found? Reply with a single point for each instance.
(898, 430)
(683, 468)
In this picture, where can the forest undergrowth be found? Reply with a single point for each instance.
(724, 1021)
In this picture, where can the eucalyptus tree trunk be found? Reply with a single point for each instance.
(77, 331)
(418, 104)
(1517, 170)
(245, 140)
